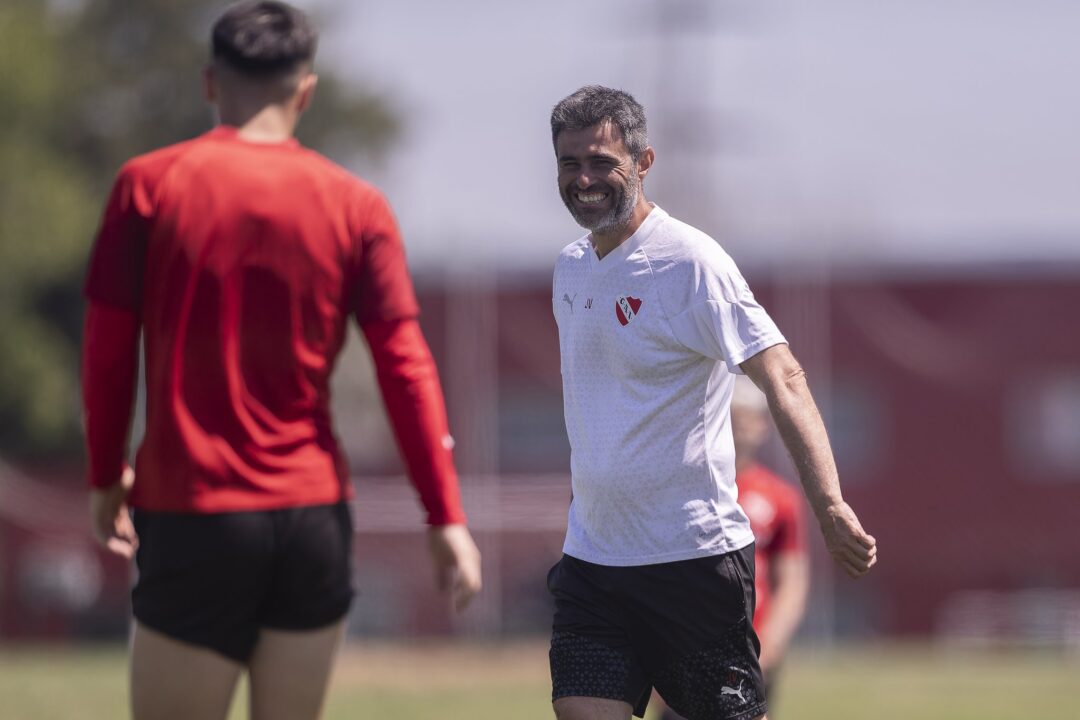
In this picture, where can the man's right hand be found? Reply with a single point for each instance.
(846, 541)
(457, 562)
(109, 519)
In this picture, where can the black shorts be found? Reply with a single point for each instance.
(685, 628)
(214, 580)
(770, 686)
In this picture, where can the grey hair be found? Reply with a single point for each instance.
(592, 105)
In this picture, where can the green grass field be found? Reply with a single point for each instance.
(497, 682)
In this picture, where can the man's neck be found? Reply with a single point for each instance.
(603, 243)
(267, 124)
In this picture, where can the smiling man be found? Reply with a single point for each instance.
(656, 584)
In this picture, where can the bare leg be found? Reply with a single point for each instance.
(588, 708)
(290, 672)
(171, 679)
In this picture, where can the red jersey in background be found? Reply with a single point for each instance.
(776, 517)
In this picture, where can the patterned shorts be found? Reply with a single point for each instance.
(684, 628)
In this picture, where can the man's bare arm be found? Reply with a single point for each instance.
(776, 372)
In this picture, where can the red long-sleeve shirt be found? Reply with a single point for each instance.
(241, 264)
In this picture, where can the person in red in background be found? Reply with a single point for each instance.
(240, 257)
(775, 509)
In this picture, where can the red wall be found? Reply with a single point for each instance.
(931, 462)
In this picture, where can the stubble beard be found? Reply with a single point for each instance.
(626, 198)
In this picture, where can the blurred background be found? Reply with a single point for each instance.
(899, 182)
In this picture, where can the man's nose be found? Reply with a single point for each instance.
(584, 180)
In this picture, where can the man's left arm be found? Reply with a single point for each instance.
(384, 303)
(778, 374)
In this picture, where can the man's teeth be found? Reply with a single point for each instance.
(591, 197)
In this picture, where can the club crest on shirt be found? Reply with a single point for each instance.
(626, 308)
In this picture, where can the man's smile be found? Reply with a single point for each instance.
(592, 198)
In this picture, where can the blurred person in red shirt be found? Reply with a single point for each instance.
(240, 257)
(775, 509)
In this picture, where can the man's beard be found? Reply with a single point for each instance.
(626, 197)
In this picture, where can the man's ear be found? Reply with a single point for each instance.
(645, 161)
(305, 92)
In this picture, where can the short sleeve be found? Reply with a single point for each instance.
(723, 320)
(384, 289)
(118, 259)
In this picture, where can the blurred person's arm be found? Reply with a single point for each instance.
(791, 578)
(110, 358)
(410, 388)
(778, 374)
(110, 362)
(383, 299)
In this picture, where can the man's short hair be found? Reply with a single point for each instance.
(263, 38)
(594, 104)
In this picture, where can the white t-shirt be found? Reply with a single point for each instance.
(650, 336)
